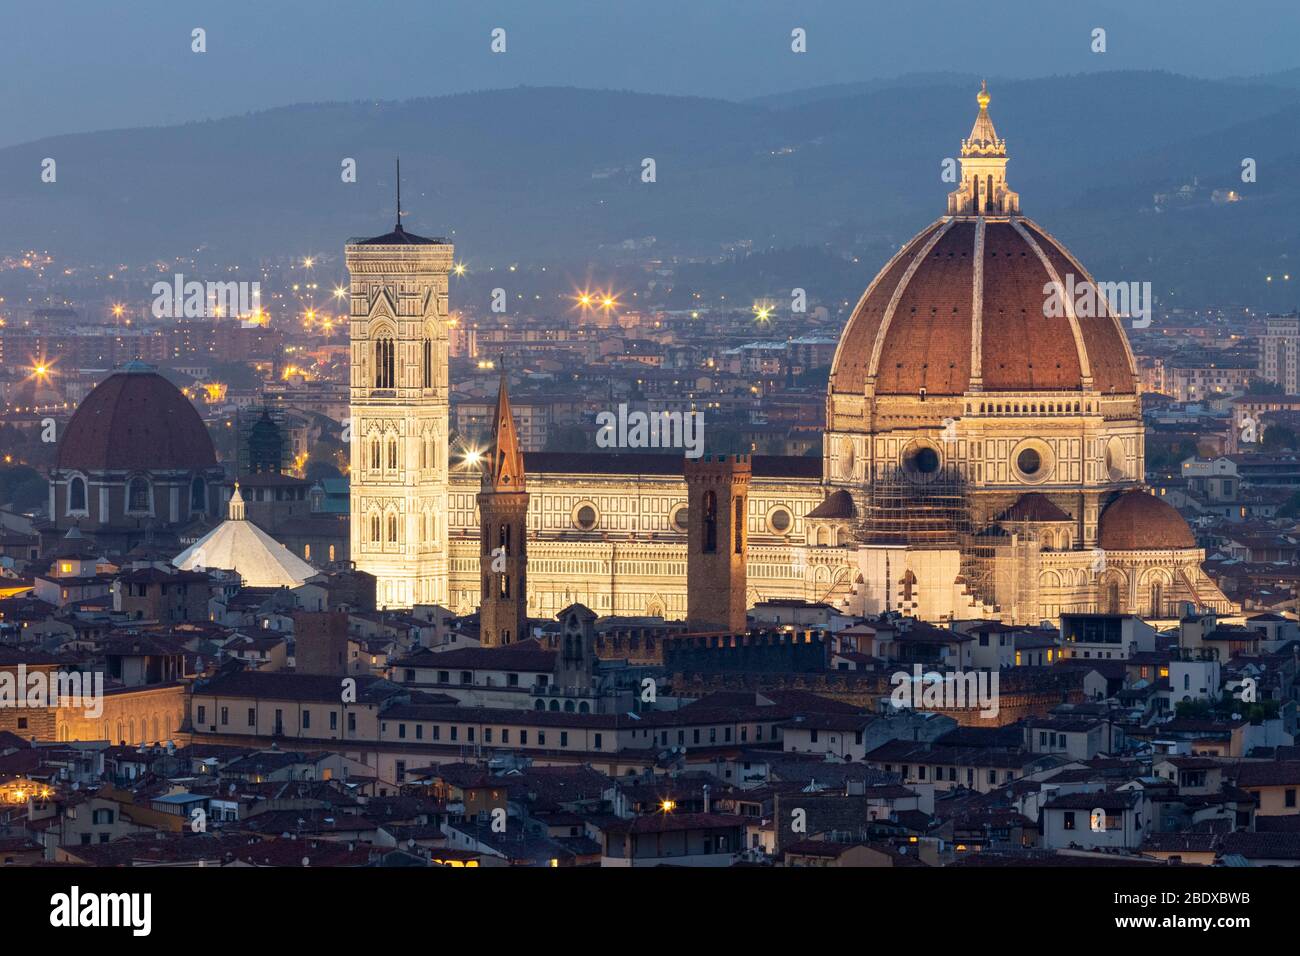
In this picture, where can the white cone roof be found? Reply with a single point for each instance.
(239, 545)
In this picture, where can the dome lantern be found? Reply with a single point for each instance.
(983, 190)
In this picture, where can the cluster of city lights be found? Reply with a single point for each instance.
(586, 300)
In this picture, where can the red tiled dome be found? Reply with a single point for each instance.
(136, 420)
(1137, 521)
(913, 327)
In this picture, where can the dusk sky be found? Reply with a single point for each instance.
(81, 65)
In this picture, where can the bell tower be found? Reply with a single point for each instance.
(399, 413)
(503, 517)
(717, 489)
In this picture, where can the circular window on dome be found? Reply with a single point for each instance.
(585, 516)
(681, 518)
(779, 521)
(1033, 461)
(922, 461)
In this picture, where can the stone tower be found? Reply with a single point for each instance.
(575, 663)
(503, 517)
(717, 489)
(398, 427)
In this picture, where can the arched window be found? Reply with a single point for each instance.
(77, 494)
(738, 528)
(331, 553)
(137, 495)
(540, 705)
(428, 363)
(384, 362)
(568, 706)
(1157, 597)
(374, 527)
(392, 528)
(392, 453)
(1112, 597)
(710, 522)
(555, 705)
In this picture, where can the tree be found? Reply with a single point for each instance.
(1278, 438)
(318, 469)
(23, 488)
(1193, 709)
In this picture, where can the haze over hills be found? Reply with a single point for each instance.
(553, 174)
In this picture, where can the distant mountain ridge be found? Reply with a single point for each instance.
(554, 174)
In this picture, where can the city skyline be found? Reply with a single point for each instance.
(899, 475)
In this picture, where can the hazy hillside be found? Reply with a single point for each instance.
(554, 174)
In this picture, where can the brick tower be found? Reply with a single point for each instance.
(717, 489)
(503, 516)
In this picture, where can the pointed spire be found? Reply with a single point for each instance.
(983, 139)
(399, 195)
(506, 472)
(236, 510)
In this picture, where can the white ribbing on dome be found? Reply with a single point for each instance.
(873, 367)
(1085, 365)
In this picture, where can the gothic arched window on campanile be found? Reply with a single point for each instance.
(384, 362)
(374, 527)
(77, 494)
(710, 522)
(428, 363)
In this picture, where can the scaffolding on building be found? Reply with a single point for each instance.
(907, 507)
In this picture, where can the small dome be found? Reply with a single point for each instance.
(1137, 521)
(136, 420)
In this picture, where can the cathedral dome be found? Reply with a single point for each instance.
(1137, 521)
(965, 304)
(136, 420)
